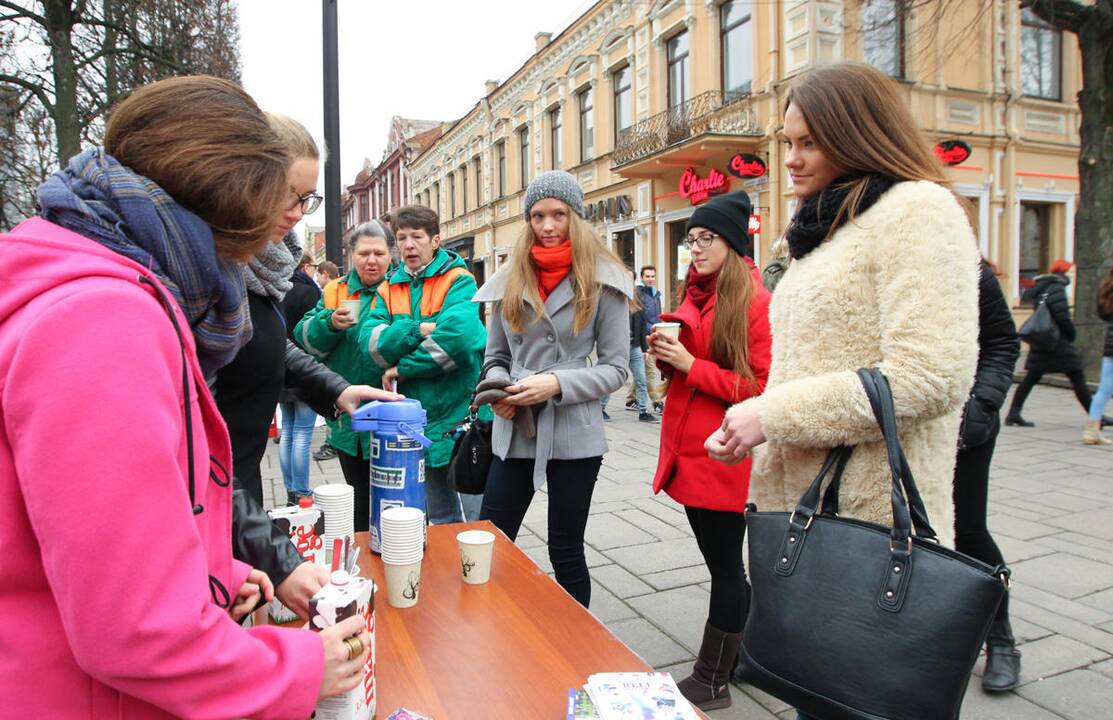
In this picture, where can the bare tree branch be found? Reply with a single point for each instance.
(38, 90)
(24, 12)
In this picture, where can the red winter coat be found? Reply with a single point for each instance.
(695, 405)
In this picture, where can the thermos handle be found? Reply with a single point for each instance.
(409, 430)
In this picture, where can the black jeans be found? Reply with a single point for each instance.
(571, 483)
(1077, 381)
(357, 473)
(971, 494)
(719, 535)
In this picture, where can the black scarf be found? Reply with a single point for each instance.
(815, 220)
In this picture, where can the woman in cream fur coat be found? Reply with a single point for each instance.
(876, 234)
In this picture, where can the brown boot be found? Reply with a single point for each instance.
(1092, 434)
(708, 687)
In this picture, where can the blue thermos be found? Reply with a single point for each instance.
(397, 456)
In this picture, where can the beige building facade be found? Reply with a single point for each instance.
(655, 106)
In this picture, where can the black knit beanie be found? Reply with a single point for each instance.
(727, 215)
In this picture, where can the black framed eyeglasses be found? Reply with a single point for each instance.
(702, 241)
(309, 202)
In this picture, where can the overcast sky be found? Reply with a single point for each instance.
(425, 59)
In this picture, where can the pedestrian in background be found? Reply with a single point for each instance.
(326, 273)
(424, 333)
(650, 299)
(298, 418)
(1092, 435)
(1064, 358)
(876, 232)
(639, 334)
(999, 348)
(561, 296)
(720, 358)
(330, 333)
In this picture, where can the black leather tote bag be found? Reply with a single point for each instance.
(1040, 330)
(850, 620)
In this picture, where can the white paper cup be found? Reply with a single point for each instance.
(353, 307)
(403, 583)
(671, 329)
(476, 548)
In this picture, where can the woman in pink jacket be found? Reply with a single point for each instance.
(118, 579)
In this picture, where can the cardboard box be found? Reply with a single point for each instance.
(341, 599)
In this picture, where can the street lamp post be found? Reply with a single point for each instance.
(332, 134)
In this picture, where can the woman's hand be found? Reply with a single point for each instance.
(342, 318)
(257, 585)
(355, 396)
(533, 389)
(669, 350)
(741, 432)
(342, 674)
(300, 585)
(504, 410)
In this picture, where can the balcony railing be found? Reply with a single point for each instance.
(707, 112)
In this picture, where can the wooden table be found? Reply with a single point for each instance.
(510, 648)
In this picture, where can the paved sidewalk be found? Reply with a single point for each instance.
(1051, 511)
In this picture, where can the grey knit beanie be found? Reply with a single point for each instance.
(555, 184)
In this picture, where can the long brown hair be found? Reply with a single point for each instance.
(521, 281)
(205, 142)
(1105, 294)
(856, 116)
(730, 331)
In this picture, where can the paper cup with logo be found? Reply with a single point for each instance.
(353, 307)
(476, 549)
(672, 329)
(403, 583)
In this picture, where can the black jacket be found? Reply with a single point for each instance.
(998, 349)
(258, 541)
(651, 303)
(639, 330)
(1065, 358)
(1108, 318)
(300, 299)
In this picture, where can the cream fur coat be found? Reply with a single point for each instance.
(896, 289)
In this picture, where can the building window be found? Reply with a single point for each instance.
(1041, 56)
(464, 186)
(623, 108)
(883, 35)
(500, 153)
(363, 207)
(478, 163)
(451, 195)
(737, 47)
(1035, 241)
(523, 155)
(677, 55)
(587, 125)
(554, 136)
(437, 198)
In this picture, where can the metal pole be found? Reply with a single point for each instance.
(332, 134)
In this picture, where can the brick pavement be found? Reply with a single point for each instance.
(1051, 511)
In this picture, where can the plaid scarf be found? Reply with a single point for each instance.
(97, 197)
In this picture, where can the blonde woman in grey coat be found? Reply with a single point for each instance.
(561, 296)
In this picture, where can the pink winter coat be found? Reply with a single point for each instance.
(106, 609)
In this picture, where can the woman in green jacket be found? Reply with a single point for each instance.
(330, 333)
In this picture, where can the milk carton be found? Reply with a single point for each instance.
(342, 598)
(305, 524)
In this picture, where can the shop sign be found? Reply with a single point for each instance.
(609, 210)
(697, 189)
(755, 225)
(746, 165)
(952, 152)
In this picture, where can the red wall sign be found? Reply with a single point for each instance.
(745, 165)
(952, 152)
(698, 189)
(755, 225)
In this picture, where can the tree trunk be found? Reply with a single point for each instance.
(67, 123)
(1094, 219)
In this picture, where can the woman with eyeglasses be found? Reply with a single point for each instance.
(720, 357)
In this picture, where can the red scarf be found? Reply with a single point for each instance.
(700, 288)
(552, 264)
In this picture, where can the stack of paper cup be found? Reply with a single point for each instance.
(403, 546)
(337, 503)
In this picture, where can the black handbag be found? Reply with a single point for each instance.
(471, 450)
(850, 620)
(1040, 330)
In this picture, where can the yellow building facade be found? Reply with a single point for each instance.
(654, 106)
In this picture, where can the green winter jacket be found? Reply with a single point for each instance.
(440, 370)
(341, 352)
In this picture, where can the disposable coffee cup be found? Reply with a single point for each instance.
(671, 329)
(353, 307)
(476, 548)
(403, 583)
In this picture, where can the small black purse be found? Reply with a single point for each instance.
(471, 450)
(856, 621)
(1040, 330)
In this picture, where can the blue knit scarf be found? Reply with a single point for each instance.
(97, 197)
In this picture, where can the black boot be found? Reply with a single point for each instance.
(1002, 659)
(708, 687)
(1015, 419)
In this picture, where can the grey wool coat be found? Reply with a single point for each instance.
(570, 425)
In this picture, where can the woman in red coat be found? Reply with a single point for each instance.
(721, 358)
